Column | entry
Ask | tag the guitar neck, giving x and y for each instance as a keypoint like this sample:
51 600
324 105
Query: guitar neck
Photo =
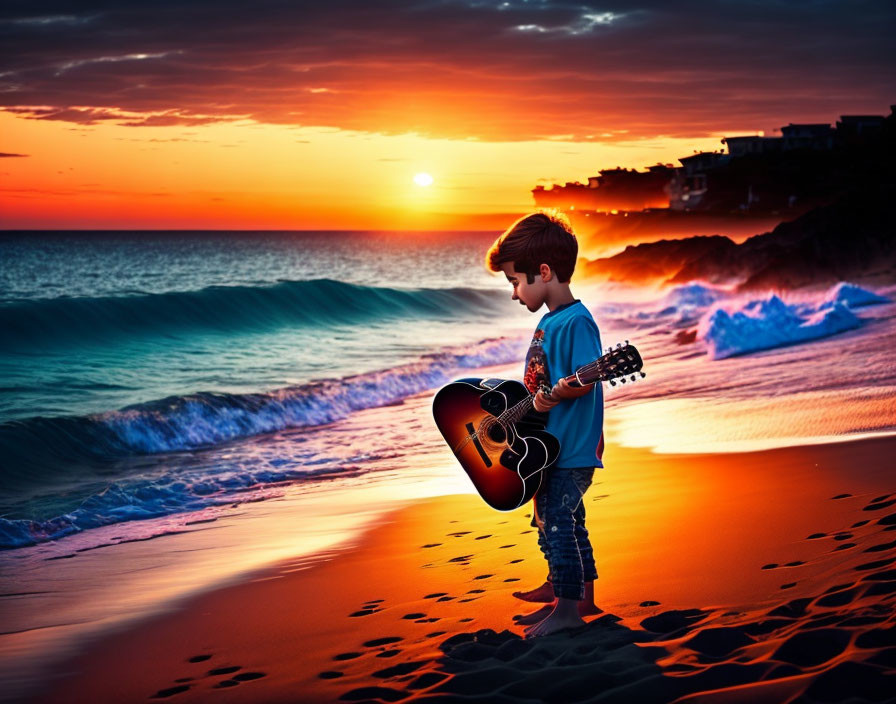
615 363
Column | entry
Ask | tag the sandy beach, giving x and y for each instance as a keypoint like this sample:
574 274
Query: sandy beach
763 576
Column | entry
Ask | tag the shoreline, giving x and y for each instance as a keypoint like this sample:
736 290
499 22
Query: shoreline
425 578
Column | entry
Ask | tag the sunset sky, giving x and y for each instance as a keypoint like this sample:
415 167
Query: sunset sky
278 115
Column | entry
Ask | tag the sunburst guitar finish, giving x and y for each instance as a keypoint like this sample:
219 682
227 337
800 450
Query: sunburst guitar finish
503 459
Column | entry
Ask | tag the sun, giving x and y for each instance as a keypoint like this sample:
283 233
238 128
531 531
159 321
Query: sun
423 179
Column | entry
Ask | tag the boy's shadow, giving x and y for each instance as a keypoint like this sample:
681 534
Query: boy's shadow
601 661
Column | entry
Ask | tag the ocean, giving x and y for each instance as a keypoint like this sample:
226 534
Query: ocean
132 346
178 408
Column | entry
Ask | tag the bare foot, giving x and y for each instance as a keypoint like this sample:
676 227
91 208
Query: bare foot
589 609
535 616
544 593
562 617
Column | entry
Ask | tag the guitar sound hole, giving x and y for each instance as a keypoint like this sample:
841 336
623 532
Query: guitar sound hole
496 433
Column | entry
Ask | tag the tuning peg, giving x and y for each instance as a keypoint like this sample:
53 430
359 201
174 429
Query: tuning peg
612 383
643 375
634 378
622 379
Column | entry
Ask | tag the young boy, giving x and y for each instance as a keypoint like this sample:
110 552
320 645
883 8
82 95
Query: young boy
538 256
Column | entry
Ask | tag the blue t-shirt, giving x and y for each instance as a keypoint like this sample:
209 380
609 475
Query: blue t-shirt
565 339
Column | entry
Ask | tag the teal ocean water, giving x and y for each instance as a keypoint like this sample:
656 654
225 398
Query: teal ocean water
123 353
145 375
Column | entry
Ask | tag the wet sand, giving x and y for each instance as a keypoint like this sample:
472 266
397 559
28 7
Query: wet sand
764 576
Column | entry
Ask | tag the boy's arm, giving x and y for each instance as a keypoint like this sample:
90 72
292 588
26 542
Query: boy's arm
561 392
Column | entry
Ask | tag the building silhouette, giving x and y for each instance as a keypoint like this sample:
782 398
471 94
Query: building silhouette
752 175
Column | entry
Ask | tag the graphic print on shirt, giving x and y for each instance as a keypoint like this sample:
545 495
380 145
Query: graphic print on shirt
536 363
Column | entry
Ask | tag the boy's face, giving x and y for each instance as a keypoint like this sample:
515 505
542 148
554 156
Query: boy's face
530 295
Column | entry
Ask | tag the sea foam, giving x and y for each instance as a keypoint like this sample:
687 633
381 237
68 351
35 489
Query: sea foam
771 322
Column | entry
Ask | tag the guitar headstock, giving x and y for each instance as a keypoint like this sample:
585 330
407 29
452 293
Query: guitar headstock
618 363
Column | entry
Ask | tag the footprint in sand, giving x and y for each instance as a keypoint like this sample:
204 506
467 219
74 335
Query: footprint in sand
814 536
476 591
224 670
512 579
840 496
460 533
788 585
859 524
434 595
436 634
844 546
874 565
400 669
413 616
460 558
843 536
347 656
184 679
837 598
795 563
170 692
431 545
770 566
427 679
483 537
484 576
388 653
506 546
795 608
513 562
877 504
236 679
363 612
673 621
811 648
381 641
445 598
330 674
199 658
882 546
649 603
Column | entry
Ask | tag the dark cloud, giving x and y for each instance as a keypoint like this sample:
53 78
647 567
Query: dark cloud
488 70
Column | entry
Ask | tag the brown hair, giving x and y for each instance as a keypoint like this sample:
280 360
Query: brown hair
542 237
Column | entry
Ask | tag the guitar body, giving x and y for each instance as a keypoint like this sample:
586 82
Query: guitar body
504 460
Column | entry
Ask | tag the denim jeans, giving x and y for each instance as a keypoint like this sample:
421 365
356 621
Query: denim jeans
562 537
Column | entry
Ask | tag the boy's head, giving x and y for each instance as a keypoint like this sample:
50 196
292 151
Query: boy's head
536 252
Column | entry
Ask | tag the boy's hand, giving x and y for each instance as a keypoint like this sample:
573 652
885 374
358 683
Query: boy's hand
562 390
542 403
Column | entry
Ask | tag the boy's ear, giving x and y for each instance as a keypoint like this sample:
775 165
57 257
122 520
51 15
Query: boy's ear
546 274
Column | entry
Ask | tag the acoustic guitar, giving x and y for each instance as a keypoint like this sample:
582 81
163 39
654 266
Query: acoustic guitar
500 440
